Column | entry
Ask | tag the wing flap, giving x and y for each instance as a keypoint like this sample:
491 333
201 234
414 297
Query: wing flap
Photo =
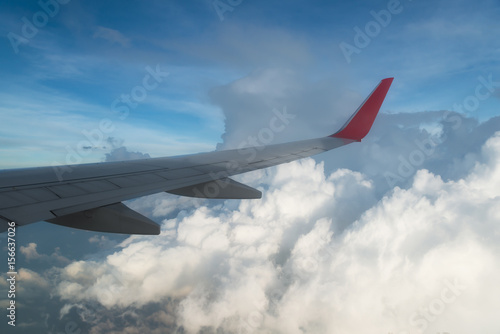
225 188
114 218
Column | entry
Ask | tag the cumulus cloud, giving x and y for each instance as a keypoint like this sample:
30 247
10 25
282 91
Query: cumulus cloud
302 260
102 241
310 109
122 154
30 253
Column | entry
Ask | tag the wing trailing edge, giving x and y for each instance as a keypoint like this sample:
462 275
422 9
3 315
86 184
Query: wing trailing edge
225 188
114 218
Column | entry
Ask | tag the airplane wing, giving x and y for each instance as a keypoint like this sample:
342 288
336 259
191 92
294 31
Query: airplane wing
89 196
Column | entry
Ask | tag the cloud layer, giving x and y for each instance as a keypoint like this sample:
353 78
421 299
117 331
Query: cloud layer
303 260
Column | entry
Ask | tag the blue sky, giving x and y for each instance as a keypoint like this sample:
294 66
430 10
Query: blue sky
373 231
65 78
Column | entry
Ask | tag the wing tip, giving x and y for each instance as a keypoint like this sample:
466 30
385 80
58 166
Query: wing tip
360 123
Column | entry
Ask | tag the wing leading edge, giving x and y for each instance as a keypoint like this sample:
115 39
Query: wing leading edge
89 196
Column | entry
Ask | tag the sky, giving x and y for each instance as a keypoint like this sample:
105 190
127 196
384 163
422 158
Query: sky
396 234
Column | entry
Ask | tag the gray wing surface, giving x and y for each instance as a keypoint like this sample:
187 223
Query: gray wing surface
89 196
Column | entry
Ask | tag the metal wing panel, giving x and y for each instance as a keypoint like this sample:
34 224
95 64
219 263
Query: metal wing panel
89 186
28 213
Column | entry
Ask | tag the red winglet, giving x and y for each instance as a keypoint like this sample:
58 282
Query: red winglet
360 123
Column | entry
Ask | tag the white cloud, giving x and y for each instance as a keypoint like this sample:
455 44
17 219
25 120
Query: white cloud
102 241
421 258
315 108
30 251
